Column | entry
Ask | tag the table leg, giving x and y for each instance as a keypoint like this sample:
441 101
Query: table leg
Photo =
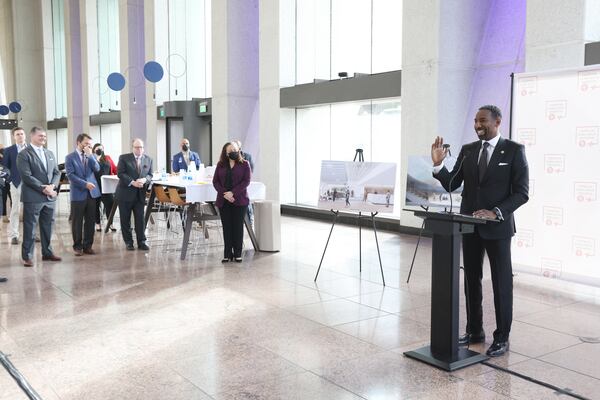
188 229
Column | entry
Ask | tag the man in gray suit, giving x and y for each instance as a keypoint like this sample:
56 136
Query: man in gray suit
135 174
39 178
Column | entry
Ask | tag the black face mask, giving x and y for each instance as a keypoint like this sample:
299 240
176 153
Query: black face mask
99 152
185 147
234 155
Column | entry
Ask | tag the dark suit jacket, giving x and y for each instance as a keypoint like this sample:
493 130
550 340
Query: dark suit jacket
127 172
240 177
505 184
179 162
79 177
10 161
34 175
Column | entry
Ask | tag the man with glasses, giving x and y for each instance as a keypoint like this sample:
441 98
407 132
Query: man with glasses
135 173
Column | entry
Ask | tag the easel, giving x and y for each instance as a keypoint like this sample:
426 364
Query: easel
412 264
359 154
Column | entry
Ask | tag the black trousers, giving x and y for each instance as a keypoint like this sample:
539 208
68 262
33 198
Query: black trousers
125 210
498 252
108 201
5 195
232 219
83 214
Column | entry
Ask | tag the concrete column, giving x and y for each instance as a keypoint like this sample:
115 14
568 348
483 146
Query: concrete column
133 96
557 32
150 103
268 163
77 97
235 74
29 61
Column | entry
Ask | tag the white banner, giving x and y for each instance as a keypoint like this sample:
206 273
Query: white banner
556 115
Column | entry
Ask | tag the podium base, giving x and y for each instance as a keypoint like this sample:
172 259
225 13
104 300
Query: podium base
464 358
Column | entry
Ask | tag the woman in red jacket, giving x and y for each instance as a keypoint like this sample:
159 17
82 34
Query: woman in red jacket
231 180
107 167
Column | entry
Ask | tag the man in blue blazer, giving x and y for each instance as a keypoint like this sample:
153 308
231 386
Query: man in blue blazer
10 163
182 159
80 166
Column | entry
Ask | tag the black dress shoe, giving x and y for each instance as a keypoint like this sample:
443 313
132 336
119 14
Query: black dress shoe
130 246
497 349
3 279
468 338
143 246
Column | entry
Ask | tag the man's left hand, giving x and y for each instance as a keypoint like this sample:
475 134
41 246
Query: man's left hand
486 214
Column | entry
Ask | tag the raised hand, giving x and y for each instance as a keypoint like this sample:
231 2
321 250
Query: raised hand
438 152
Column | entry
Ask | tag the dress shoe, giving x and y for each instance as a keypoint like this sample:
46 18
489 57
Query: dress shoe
112 229
98 228
468 338
14 241
143 246
497 349
3 279
37 239
51 258
238 259
89 251
226 260
27 263
78 252
130 246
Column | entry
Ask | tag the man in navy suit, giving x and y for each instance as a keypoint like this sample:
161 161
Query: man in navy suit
80 166
182 159
135 175
496 182
39 179
10 162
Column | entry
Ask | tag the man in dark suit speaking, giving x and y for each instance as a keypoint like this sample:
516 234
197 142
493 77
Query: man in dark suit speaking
135 173
39 178
496 182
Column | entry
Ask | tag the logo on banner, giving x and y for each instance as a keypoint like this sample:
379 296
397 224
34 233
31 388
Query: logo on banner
588 80
527 86
554 163
553 216
587 135
551 268
584 246
526 136
556 109
524 238
585 191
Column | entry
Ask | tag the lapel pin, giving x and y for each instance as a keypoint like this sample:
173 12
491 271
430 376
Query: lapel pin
502 152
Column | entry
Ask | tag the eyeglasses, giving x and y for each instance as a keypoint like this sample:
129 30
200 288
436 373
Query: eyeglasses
138 147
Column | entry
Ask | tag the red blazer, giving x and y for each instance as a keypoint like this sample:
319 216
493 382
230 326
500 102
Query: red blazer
113 167
240 176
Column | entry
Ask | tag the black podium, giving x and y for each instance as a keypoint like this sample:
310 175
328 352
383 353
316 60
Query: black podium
444 352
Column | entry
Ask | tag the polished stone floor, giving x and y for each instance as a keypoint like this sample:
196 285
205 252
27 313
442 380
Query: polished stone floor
145 325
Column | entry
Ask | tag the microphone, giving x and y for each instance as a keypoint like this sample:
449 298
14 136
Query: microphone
462 160
446 146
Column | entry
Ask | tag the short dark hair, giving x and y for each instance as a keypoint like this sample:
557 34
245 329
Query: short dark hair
494 110
82 136
36 129
16 128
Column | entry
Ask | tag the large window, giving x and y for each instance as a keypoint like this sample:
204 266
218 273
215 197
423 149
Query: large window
59 62
183 48
108 53
334 132
333 36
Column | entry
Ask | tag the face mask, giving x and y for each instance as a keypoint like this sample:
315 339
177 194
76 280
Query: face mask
99 152
234 155
185 147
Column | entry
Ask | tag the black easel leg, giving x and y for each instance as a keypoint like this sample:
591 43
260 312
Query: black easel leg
377 243
359 244
327 244
412 264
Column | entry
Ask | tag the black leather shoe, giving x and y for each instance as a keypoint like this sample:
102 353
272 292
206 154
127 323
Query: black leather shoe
468 338
130 246
3 279
497 349
143 246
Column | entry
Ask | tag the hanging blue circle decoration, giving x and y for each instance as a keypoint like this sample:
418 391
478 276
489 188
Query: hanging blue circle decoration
15 107
116 81
4 110
153 71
